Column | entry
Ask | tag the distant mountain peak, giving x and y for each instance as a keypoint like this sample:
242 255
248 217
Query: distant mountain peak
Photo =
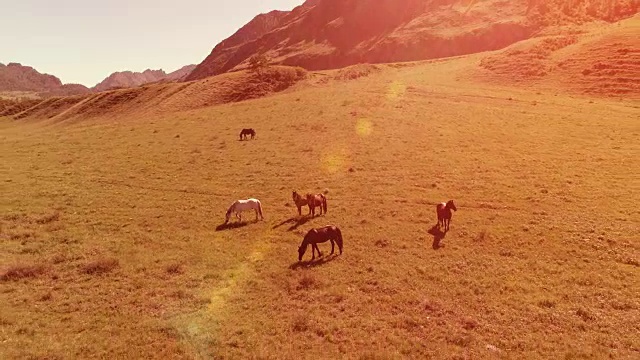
16 77
127 79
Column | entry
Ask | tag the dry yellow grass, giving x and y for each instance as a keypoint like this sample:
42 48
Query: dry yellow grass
114 222
587 59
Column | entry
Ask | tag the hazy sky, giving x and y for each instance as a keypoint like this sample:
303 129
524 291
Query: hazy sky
83 41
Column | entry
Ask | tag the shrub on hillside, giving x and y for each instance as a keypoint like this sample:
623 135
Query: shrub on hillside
257 63
18 272
9 107
356 72
270 80
100 266
282 77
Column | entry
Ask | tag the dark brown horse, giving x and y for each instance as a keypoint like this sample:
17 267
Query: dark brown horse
300 201
247 132
317 200
320 235
443 210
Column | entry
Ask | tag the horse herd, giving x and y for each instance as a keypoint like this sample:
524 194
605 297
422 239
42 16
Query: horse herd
327 233
318 235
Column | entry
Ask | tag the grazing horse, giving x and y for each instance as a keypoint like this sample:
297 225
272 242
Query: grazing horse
300 201
443 210
246 132
243 205
317 200
320 235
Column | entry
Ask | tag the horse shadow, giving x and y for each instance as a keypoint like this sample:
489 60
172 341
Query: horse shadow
438 235
231 226
288 221
313 263
296 221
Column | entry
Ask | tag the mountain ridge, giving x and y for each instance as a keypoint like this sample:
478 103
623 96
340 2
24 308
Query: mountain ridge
327 34
17 77
128 79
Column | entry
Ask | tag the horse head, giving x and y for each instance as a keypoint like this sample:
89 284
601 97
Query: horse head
228 215
451 205
301 250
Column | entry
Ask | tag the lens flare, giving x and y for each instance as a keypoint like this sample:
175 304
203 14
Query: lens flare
336 160
396 90
238 275
364 127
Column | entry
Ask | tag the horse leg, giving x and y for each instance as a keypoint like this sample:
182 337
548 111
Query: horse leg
317 248
332 245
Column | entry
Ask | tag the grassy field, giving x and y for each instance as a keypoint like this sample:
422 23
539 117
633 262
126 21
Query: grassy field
110 248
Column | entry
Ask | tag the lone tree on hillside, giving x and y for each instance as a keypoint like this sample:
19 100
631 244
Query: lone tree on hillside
257 63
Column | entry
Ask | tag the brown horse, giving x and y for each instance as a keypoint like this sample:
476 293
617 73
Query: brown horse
300 201
317 200
443 210
320 235
246 132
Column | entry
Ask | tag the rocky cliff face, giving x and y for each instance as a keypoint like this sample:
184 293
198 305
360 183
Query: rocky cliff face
256 28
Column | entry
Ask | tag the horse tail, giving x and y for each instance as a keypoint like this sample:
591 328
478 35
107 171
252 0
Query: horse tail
324 203
339 239
260 209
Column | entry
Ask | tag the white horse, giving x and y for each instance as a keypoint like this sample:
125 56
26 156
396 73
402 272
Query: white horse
243 205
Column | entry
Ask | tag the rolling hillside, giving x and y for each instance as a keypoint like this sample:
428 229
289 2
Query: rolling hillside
112 242
163 97
601 60
112 236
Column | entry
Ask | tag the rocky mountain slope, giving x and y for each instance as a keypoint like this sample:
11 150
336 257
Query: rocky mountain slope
322 34
128 79
16 77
